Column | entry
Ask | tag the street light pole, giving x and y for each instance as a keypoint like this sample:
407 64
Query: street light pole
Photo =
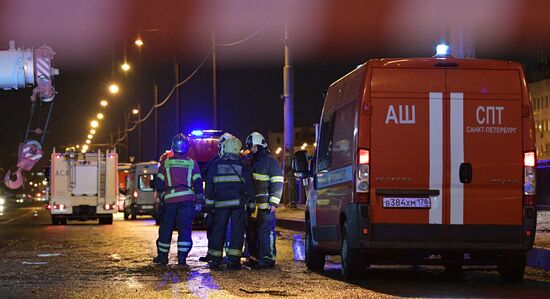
214 84
126 130
288 98
140 158
177 79
156 93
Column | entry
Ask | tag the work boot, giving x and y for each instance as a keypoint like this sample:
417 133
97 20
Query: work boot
214 265
161 259
182 261
250 263
264 265
205 258
234 265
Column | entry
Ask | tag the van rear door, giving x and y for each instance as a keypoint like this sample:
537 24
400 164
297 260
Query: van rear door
407 125
486 155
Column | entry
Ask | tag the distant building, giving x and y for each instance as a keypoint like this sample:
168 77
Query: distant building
540 97
304 139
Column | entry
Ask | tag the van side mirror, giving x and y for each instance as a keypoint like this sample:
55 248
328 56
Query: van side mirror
300 165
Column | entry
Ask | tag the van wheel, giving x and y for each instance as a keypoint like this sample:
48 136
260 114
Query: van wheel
511 267
106 219
63 221
134 215
55 220
352 262
315 260
453 265
126 216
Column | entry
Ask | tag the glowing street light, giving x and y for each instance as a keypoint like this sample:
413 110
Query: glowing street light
83 151
77 146
90 136
100 115
85 147
94 124
92 131
88 141
138 42
113 88
135 111
103 103
125 67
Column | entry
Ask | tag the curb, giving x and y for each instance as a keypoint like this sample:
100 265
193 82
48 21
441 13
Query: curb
538 257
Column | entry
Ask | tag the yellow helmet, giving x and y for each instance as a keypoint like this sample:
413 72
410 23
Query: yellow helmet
231 146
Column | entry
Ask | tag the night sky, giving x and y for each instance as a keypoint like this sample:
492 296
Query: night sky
328 39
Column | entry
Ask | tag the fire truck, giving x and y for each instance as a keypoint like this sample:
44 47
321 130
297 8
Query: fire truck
424 160
84 186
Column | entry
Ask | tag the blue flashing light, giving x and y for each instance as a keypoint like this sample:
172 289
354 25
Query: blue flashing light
197 132
442 50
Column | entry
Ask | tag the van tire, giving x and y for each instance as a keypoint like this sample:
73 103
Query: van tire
55 220
352 262
315 260
453 265
126 216
134 215
106 219
511 267
63 221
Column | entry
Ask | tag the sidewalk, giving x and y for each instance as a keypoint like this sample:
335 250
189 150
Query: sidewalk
539 257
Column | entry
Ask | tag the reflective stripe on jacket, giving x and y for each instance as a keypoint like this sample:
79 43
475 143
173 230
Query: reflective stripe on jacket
268 181
228 183
180 177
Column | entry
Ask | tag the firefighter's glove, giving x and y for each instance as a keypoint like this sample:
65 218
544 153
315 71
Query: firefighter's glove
198 207
272 209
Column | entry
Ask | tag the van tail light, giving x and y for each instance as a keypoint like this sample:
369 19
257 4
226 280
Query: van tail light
363 169
135 194
107 206
529 177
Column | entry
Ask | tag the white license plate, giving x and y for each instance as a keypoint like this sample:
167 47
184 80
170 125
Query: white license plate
406 202
147 207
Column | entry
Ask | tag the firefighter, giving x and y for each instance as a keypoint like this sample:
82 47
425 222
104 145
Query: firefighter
268 187
210 216
180 184
229 190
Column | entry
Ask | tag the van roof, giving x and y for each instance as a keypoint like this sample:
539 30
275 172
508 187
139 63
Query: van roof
444 62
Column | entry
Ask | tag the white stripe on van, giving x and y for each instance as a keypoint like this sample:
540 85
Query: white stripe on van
457 157
436 156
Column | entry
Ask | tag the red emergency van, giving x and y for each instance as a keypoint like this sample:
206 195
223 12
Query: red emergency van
424 161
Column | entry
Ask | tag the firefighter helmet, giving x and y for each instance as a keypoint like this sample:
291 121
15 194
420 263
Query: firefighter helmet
232 146
180 143
255 139
222 139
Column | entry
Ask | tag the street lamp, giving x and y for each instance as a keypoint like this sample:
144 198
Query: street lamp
92 131
135 111
113 88
125 67
103 103
88 141
85 147
100 115
94 124
90 136
138 42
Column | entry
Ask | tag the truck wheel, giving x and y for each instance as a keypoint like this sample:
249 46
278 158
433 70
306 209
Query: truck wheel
134 215
55 220
63 221
315 260
106 219
511 267
126 216
352 262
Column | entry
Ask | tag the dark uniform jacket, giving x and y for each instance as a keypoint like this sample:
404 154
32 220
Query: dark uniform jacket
228 183
268 180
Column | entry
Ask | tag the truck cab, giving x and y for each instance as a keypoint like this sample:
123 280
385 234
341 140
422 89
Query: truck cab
426 160
139 198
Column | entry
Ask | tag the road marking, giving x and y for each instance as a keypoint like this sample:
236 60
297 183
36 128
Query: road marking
436 156
457 157
13 219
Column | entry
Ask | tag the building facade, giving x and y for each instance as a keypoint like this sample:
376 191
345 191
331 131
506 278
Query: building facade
540 99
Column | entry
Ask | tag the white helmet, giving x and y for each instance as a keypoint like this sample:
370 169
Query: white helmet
255 139
222 139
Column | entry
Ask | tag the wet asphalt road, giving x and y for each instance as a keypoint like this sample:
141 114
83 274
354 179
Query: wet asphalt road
87 260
